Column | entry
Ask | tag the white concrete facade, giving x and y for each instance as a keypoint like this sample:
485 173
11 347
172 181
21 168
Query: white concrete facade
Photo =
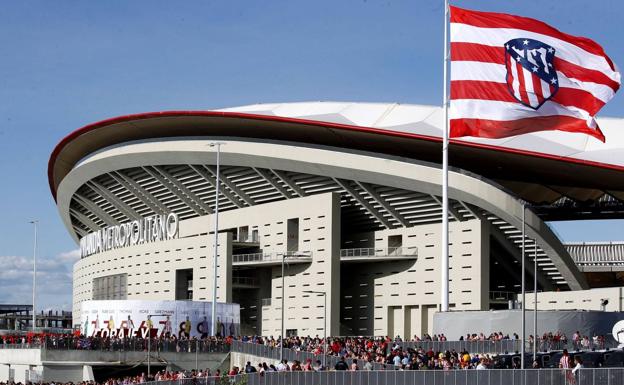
377 297
383 294
579 299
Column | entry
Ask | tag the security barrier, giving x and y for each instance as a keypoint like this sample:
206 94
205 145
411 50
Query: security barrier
419 377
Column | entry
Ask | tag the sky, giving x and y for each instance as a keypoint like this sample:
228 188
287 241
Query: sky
65 64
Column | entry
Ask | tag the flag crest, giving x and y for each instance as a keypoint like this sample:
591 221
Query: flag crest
531 73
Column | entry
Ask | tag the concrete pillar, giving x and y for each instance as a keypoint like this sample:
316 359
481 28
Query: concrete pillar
333 281
224 269
87 373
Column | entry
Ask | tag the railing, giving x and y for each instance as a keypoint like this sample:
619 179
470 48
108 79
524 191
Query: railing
588 344
268 257
597 254
266 301
502 296
587 376
508 346
491 347
379 252
273 353
124 344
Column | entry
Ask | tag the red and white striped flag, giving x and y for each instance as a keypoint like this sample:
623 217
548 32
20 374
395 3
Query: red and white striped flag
511 75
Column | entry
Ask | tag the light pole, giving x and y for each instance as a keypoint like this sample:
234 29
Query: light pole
324 323
535 302
34 288
283 292
149 340
522 347
213 326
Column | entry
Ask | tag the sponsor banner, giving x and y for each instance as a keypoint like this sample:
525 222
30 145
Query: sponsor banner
138 318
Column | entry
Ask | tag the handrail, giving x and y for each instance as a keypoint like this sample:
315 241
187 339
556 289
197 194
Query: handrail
388 376
379 252
275 256
602 254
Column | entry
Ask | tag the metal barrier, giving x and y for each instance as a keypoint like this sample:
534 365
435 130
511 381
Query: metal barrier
124 344
508 346
492 347
544 345
610 376
273 353
379 252
267 257
597 253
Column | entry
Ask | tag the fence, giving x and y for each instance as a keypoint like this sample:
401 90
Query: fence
544 345
124 344
420 377
509 346
492 347
290 256
273 353
379 252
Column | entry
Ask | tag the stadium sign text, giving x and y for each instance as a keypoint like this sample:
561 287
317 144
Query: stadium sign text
145 230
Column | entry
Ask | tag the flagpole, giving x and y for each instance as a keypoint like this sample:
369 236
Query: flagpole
445 227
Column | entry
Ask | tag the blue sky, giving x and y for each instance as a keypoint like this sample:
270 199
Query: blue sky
65 64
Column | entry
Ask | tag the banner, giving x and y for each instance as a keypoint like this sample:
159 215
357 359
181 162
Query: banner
133 318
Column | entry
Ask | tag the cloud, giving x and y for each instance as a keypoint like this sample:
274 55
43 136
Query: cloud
54 280
70 256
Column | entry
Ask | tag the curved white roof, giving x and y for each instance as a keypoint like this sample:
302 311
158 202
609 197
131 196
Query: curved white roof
428 120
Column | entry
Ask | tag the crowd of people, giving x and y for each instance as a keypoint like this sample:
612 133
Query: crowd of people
351 353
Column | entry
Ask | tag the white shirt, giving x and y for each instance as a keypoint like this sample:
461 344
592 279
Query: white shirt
576 368
281 367
481 366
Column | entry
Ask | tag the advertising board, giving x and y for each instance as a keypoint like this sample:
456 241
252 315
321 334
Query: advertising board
133 318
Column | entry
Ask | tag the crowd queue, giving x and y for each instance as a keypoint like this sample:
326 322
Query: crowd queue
354 353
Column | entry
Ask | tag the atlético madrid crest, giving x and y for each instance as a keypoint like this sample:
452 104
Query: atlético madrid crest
531 75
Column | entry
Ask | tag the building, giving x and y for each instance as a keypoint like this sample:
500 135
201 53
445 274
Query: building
347 195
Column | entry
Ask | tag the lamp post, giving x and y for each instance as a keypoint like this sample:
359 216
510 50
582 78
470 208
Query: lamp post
213 326
324 323
283 294
34 285
149 340
535 302
522 347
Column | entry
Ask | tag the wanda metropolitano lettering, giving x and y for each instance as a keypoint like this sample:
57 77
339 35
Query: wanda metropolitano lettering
150 229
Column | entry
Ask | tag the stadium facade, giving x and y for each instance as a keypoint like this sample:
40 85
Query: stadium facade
347 196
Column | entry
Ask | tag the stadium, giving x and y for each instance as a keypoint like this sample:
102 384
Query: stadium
345 197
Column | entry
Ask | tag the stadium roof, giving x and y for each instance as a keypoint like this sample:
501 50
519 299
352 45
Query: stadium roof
564 175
